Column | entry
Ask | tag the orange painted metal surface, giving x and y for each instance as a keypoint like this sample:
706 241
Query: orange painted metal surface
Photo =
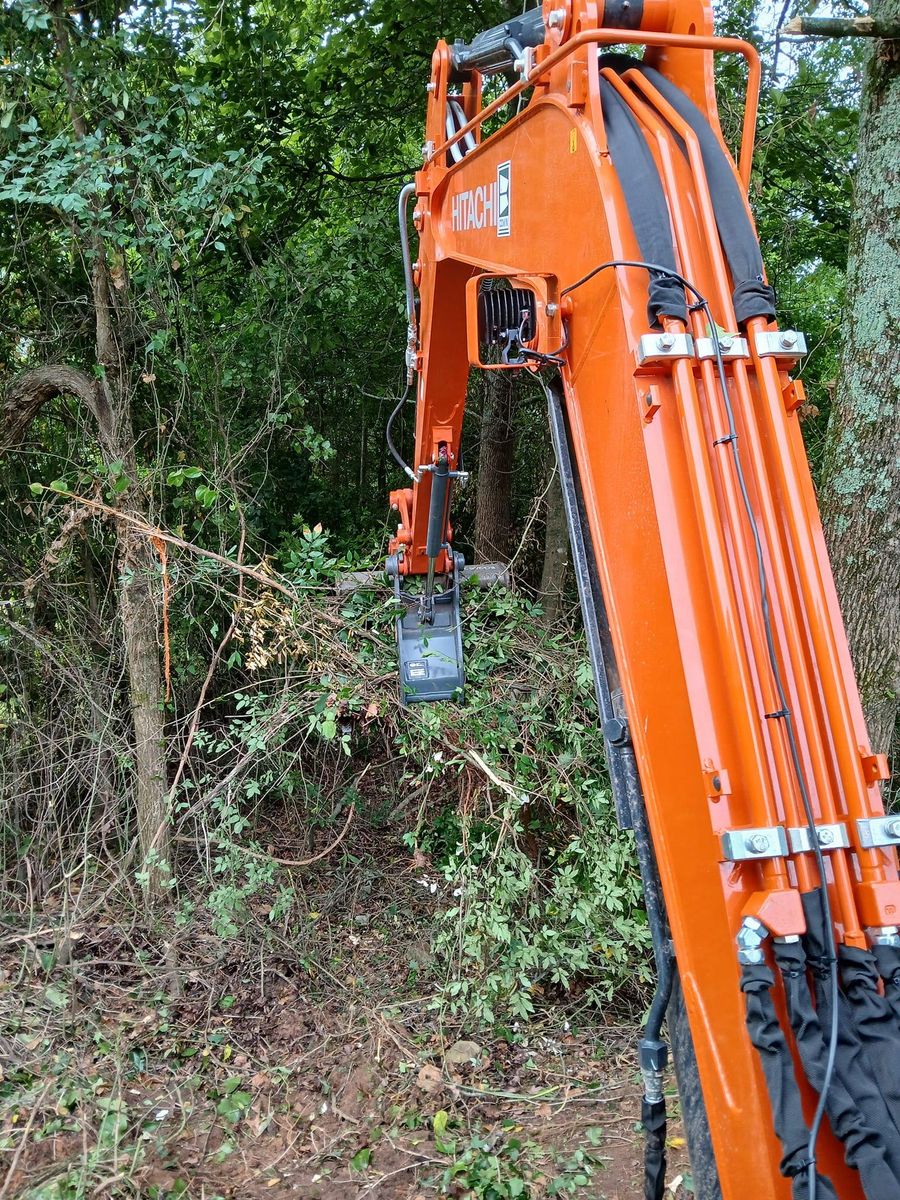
672 542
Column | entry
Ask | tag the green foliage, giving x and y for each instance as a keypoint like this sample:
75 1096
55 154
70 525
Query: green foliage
545 896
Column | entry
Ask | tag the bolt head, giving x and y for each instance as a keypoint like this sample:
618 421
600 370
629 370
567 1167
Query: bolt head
556 18
825 836
758 843
430 86
665 341
726 341
788 338
893 828
552 309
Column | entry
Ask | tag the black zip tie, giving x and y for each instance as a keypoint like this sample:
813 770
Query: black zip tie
779 715
729 437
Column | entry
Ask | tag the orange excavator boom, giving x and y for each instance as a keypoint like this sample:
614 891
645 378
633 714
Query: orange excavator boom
589 229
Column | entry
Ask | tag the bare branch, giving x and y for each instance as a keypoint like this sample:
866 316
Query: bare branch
30 391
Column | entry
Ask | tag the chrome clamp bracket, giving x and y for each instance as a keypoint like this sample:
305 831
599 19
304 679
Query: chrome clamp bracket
730 345
830 837
781 343
878 831
659 347
744 845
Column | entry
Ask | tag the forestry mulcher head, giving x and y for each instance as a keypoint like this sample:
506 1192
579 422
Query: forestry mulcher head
429 638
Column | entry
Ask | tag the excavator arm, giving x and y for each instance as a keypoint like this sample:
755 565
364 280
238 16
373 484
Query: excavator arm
598 241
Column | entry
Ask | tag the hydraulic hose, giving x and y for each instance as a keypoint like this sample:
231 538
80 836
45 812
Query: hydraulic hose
388 435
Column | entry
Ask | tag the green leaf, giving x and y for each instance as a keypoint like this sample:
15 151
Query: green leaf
35 488
360 1159
206 495
56 996
439 1122
59 485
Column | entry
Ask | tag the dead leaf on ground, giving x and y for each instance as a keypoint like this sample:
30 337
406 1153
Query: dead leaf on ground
430 1079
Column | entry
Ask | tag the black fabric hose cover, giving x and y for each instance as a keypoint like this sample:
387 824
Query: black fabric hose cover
752 296
653 1118
888 959
874 1022
646 203
863 1147
852 1067
768 1037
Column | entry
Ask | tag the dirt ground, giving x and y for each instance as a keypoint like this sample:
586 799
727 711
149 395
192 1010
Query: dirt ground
194 1067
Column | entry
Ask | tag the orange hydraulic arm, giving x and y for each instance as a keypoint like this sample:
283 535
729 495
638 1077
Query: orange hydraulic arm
703 574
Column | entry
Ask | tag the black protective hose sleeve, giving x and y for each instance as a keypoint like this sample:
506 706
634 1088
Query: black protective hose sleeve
863 1146
653 1119
768 1037
888 959
752 296
646 204
874 1022
852 1067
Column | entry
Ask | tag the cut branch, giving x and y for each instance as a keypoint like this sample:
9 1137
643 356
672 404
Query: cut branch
838 27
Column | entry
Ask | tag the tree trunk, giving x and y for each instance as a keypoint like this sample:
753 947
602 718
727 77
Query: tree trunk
556 553
493 503
109 399
859 493
145 687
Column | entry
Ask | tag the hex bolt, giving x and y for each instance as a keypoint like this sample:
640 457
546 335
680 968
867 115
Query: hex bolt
666 341
892 828
552 309
616 731
556 18
758 843
825 836
726 341
788 338
430 86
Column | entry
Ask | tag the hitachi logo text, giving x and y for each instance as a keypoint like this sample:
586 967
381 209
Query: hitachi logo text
484 207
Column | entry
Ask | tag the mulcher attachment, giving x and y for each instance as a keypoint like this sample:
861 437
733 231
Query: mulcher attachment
429 639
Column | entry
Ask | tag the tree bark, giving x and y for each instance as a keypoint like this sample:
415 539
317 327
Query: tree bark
556 554
137 603
859 493
493 503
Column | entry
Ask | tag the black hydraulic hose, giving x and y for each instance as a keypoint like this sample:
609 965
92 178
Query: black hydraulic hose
654 1056
388 434
863 1142
784 712
768 1037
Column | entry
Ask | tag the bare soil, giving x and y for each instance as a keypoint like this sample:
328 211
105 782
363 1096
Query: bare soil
138 1064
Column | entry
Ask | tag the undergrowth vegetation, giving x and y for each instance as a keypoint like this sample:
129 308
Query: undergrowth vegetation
501 805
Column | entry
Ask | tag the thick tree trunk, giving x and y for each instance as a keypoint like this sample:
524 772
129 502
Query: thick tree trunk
493 503
859 493
556 553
